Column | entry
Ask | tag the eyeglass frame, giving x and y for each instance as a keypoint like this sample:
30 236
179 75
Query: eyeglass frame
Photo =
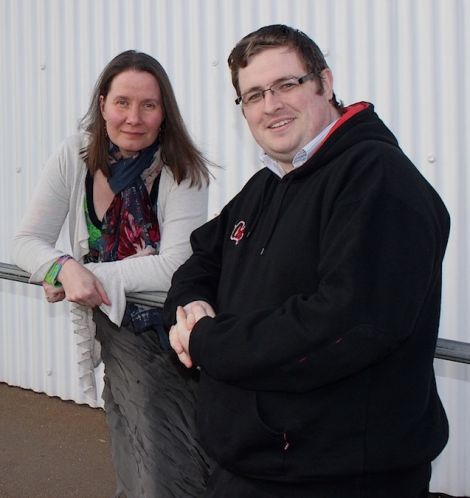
300 81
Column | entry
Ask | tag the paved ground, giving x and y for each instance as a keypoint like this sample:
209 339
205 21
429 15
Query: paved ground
51 448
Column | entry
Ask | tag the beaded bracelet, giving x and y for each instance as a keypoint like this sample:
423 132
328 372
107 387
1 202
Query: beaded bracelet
54 270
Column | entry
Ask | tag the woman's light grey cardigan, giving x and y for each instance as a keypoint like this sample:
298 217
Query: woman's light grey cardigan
59 198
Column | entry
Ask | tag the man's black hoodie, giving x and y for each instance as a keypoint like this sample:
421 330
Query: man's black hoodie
327 289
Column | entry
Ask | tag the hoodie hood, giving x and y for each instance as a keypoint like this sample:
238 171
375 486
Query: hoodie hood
359 123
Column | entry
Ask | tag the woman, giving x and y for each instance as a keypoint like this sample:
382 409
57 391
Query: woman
134 186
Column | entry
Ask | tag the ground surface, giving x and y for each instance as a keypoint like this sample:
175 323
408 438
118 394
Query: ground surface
51 448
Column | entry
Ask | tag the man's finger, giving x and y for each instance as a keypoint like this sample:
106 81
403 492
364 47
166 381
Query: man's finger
180 314
174 341
185 359
199 312
190 321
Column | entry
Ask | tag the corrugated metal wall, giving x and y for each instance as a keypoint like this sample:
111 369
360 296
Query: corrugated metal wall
409 57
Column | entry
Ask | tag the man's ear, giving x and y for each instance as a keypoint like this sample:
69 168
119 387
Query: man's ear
327 82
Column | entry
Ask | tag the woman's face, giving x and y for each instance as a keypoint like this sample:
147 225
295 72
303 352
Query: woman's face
133 111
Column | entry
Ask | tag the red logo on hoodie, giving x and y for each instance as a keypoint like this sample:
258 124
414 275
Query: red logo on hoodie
238 232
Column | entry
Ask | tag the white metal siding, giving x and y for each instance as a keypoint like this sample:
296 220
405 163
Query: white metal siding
411 58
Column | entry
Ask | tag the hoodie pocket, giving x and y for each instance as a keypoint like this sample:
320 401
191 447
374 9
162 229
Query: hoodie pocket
234 434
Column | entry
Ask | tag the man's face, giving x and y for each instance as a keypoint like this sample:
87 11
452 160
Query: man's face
284 123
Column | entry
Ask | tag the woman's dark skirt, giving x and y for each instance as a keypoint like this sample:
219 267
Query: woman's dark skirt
149 400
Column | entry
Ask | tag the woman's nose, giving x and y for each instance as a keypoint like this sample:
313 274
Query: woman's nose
133 114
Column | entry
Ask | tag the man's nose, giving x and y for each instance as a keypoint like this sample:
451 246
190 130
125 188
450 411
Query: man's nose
271 100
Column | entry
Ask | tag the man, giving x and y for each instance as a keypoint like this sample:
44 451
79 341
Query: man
311 303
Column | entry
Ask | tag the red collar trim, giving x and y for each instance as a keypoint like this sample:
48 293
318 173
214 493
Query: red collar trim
351 111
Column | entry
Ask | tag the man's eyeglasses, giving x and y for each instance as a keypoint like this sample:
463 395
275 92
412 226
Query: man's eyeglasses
281 87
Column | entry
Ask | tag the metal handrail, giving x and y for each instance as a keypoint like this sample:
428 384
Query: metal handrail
446 349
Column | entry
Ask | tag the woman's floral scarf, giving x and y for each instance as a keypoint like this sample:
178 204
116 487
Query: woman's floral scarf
130 225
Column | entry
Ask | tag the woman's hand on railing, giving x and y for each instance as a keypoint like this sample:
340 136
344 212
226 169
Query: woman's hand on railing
53 294
81 286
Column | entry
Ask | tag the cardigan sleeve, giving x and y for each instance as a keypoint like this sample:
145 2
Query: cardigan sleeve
34 242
